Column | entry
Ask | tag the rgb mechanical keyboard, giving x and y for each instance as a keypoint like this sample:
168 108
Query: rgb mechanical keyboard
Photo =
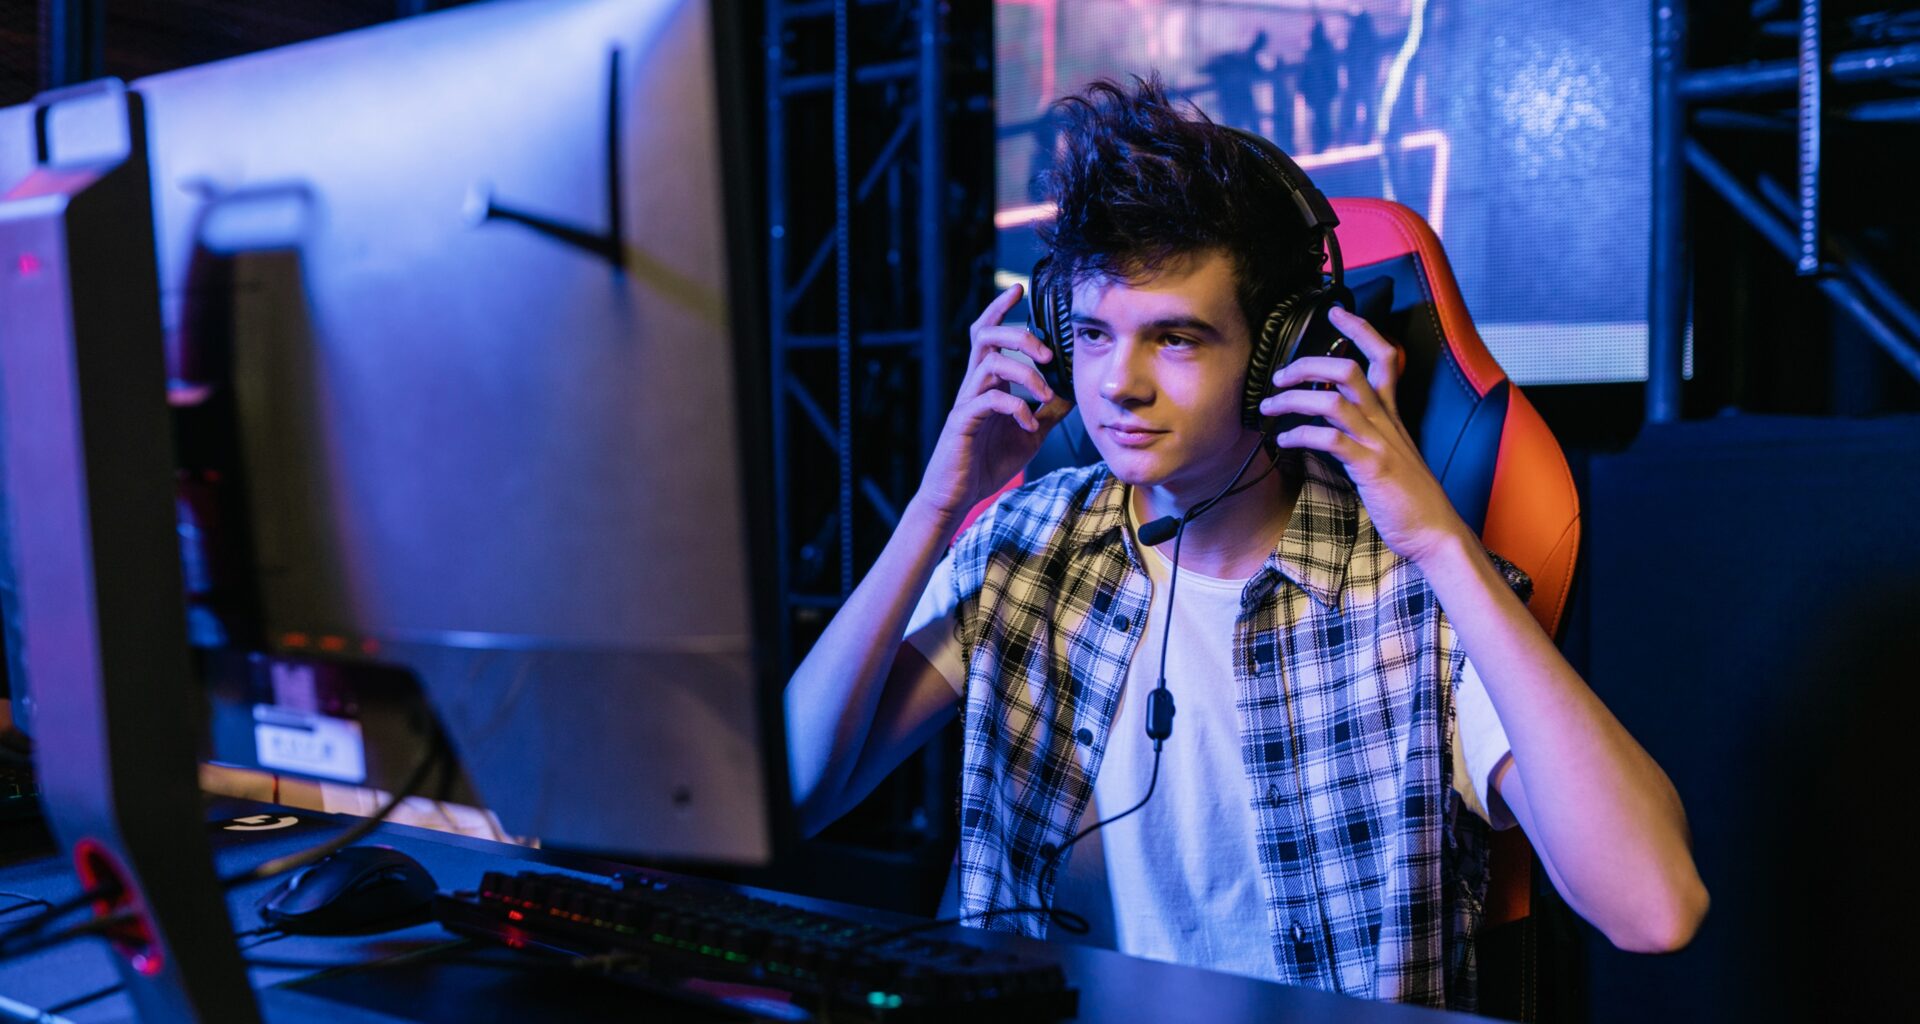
661 932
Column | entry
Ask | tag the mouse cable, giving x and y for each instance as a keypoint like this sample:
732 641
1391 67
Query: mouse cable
437 755
92 926
63 1008
26 902
104 891
265 935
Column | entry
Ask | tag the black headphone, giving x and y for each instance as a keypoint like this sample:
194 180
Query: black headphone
1291 321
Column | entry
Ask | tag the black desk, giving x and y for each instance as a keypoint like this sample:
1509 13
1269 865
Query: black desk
416 975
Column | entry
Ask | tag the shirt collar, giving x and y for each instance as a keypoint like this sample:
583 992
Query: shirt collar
1318 542
1313 552
1100 513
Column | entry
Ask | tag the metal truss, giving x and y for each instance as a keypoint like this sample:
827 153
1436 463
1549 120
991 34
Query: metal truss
857 258
1789 219
875 248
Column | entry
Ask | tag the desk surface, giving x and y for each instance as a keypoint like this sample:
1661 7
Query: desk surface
413 975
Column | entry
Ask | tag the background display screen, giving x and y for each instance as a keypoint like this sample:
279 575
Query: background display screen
1519 130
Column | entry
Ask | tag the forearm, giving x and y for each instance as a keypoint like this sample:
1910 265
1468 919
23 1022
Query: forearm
833 695
1604 817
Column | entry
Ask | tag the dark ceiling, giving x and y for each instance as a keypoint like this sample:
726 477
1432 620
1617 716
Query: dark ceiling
144 37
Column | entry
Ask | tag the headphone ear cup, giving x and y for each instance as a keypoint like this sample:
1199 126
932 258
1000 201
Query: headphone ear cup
1274 348
1052 323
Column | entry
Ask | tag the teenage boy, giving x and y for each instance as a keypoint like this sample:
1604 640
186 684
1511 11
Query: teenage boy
1361 694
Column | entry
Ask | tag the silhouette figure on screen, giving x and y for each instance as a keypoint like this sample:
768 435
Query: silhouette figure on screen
1281 80
1044 131
1232 74
1364 52
1320 83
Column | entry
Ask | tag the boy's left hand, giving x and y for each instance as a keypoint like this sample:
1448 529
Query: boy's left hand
1365 433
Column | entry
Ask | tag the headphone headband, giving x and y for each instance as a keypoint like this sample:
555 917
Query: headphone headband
1312 205
1314 208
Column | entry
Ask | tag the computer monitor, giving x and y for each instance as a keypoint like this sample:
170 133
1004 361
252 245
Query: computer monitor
462 388
17 160
97 605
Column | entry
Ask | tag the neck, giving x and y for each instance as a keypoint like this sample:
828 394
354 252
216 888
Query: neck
1235 536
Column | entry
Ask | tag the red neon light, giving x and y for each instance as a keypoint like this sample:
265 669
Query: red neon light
93 864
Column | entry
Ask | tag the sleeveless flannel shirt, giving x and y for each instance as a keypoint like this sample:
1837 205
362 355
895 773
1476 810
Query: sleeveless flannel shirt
1374 873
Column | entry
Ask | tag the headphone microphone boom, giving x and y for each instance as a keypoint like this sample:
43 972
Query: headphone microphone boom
1165 528
1159 531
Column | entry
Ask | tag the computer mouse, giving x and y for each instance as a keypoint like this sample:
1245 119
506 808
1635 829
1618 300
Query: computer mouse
357 889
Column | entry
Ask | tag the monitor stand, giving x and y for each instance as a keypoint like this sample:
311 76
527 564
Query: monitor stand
87 451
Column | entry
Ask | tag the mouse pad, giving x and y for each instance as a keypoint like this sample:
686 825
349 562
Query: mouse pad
472 982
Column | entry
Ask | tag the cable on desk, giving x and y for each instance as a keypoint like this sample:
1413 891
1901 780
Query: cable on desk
1067 920
94 926
521 960
267 934
77 1002
436 756
26 902
106 890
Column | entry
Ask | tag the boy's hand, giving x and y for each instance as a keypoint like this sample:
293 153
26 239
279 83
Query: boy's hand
1366 434
990 435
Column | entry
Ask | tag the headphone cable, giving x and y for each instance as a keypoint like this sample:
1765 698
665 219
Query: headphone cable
1160 699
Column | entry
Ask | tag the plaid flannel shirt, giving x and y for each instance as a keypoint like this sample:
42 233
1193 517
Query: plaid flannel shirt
1374 873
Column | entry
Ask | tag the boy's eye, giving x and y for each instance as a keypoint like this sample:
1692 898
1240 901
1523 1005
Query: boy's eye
1087 333
1179 341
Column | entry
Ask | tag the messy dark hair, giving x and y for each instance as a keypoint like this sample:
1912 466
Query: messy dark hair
1139 182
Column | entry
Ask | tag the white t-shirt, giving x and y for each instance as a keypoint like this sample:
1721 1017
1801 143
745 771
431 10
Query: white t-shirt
1179 879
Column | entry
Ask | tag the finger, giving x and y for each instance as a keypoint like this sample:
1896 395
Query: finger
1016 338
1344 374
1329 405
1003 367
1318 438
988 318
997 309
1383 356
1004 403
1356 329
992 371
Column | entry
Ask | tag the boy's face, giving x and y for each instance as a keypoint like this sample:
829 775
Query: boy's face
1158 366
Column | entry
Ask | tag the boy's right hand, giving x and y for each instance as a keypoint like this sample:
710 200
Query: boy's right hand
991 434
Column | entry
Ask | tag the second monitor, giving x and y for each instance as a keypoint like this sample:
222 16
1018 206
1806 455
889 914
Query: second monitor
452 344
